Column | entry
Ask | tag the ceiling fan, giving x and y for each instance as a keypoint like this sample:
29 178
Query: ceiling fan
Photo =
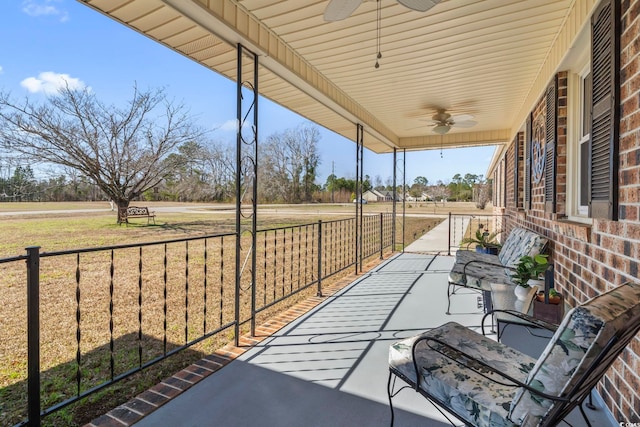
443 122
338 10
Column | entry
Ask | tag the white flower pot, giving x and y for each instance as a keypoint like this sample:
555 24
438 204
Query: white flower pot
521 292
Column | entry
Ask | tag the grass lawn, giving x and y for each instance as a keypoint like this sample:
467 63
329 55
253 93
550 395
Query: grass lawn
68 226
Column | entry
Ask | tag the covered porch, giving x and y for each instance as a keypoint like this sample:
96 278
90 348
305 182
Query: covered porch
521 71
327 367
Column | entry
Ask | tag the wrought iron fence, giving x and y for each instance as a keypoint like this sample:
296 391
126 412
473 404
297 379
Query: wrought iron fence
465 226
120 309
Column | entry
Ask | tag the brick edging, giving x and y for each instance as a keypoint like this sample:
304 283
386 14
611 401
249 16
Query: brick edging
150 400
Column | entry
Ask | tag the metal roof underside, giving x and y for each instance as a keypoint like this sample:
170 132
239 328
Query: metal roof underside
487 58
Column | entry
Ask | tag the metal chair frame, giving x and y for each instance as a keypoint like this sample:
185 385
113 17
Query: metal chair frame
563 404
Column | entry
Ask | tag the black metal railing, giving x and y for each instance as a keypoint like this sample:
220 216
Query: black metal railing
465 226
120 309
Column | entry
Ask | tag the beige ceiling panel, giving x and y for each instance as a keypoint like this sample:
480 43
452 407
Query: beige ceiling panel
488 58
187 36
107 6
465 139
197 46
170 29
135 10
158 17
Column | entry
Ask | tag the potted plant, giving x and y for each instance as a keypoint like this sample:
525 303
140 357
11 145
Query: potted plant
554 296
485 242
529 269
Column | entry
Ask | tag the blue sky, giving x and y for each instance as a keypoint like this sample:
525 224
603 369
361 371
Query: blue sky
46 42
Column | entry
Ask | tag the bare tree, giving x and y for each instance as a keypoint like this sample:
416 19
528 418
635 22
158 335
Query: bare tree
122 150
288 164
221 170
204 172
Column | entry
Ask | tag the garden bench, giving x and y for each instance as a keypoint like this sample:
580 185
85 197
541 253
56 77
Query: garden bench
141 212
486 383
477 270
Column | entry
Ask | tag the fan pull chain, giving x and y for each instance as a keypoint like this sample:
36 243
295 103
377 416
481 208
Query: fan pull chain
378 23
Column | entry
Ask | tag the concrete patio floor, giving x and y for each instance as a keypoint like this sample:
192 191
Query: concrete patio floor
329 367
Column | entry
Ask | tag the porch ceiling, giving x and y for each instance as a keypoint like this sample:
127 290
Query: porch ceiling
487 58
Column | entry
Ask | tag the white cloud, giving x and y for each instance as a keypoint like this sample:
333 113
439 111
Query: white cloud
44 8
0 69
229 126
50 83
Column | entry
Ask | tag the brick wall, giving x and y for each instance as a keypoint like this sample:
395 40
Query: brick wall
590 259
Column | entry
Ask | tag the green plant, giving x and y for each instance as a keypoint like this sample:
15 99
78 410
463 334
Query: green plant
554 296
483 239
529 267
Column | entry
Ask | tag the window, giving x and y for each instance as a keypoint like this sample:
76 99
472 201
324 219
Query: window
592 167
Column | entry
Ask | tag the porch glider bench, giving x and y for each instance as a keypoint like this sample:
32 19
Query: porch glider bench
485 383
476 270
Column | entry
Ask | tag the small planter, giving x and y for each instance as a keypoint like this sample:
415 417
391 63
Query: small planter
553 312
553 299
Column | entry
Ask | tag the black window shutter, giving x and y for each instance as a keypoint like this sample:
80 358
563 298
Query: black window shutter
494 196
527 165
550 147
504 179
605 116
516 175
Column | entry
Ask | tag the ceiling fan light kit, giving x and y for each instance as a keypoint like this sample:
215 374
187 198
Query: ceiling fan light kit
419 5
338 10
441 129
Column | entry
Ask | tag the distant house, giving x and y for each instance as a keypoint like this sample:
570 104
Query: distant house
373 196
388 196
422 198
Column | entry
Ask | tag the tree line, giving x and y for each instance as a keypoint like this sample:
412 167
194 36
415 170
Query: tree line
152 149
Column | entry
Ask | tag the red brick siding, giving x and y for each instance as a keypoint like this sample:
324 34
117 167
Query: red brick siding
592 259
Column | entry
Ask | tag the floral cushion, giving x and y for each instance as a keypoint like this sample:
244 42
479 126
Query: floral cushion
471 396
580 338
519 243
484 269
478 270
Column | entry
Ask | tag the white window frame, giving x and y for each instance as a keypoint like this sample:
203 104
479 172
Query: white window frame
583 210
575 211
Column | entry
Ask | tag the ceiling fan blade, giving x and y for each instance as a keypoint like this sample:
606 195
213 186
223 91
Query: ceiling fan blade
427 121
337 10
461 117
419 5
415 127
465 124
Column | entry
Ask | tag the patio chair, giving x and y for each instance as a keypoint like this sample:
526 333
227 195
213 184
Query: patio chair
485 383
